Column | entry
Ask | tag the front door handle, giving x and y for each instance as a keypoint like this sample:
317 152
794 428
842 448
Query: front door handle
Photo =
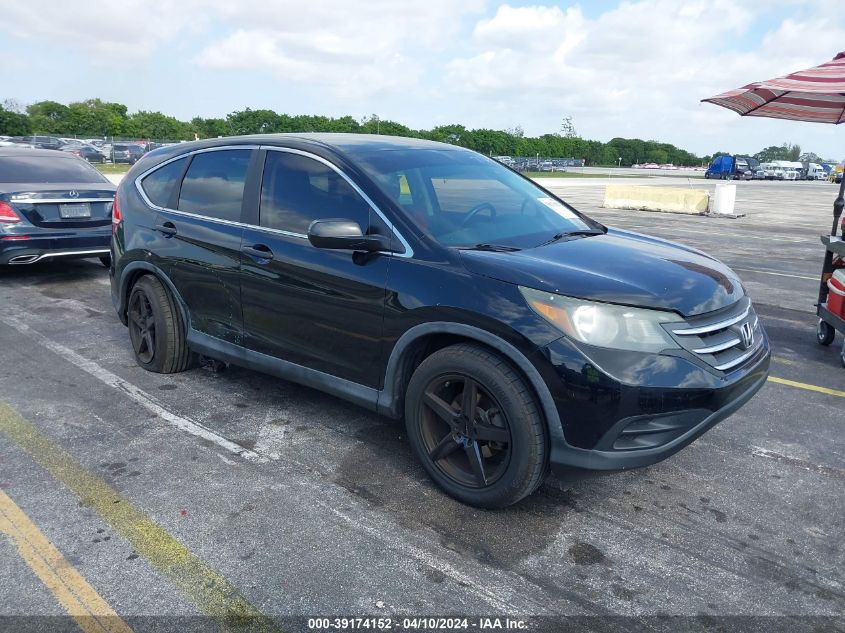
258 251
167 228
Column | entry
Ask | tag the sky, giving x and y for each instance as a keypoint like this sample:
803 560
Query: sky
632 69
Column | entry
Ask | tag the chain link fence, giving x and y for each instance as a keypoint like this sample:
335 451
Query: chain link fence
104 149
540 163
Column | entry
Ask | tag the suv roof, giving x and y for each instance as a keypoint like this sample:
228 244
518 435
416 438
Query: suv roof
352 143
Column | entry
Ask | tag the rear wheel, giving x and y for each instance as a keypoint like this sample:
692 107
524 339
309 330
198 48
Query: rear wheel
824 333
474 425
156 328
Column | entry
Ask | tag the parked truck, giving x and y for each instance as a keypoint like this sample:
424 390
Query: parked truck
732 167
814 171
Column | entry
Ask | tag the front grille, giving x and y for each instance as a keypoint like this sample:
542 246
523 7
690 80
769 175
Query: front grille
724 339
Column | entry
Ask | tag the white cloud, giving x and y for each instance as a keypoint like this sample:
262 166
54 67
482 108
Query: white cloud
368 47
129 29
637 70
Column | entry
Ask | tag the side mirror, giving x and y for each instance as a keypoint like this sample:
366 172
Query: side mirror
345 235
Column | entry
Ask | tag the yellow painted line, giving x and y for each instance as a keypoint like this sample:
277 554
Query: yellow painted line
77 597
808 387
213 595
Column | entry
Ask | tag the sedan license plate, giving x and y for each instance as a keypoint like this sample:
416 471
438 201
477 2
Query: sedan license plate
75 210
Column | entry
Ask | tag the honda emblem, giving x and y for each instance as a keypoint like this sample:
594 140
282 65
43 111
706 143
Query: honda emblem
747 333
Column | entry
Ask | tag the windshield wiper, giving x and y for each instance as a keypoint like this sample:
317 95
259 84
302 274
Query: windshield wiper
580 233
496 248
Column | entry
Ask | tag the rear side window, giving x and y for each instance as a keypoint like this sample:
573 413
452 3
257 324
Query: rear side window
40 169
296 190
159 185
214 184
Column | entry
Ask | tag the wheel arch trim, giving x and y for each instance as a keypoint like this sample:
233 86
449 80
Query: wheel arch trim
141 266
390 397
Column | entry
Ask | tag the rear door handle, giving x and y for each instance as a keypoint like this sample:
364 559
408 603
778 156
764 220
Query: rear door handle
258 251
167 228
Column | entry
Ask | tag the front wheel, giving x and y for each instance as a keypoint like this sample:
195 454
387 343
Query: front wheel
475 426
156 329
824 333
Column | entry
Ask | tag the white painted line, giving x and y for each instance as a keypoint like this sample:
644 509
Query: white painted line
771 272
135 393
765 452
504 591
498 602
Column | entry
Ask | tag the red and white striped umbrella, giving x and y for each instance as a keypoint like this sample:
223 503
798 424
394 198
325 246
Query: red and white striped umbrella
816 94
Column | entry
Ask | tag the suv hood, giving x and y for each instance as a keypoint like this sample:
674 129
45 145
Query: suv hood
618 267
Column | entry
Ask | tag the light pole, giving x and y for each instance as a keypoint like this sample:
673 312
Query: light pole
620 162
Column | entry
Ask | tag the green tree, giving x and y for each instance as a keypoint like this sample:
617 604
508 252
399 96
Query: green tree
94 118
567 128
209 128
48 117
254 122
453 134
14 123
155 125
657 155
781 152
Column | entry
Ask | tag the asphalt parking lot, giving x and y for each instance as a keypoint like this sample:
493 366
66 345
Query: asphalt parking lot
251 500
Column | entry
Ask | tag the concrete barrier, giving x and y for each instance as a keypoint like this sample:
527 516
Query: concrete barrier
667 199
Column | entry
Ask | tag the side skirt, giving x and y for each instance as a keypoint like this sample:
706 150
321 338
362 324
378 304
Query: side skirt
361 395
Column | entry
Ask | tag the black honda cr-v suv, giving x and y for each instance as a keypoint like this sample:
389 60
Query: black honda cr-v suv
424 280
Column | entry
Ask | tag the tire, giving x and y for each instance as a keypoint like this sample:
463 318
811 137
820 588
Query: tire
842 354
507 437
824 333
156 328
105 260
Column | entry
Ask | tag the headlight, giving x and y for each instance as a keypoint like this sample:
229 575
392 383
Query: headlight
604 324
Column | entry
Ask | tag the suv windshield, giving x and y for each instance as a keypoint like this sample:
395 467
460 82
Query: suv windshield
463 199
62 168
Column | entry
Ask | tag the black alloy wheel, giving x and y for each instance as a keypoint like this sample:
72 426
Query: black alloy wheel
157 330
142 327
475 426
465 431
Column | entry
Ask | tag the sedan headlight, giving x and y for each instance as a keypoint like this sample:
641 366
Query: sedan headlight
604 324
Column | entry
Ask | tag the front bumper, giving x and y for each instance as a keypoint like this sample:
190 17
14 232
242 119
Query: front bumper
632 410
